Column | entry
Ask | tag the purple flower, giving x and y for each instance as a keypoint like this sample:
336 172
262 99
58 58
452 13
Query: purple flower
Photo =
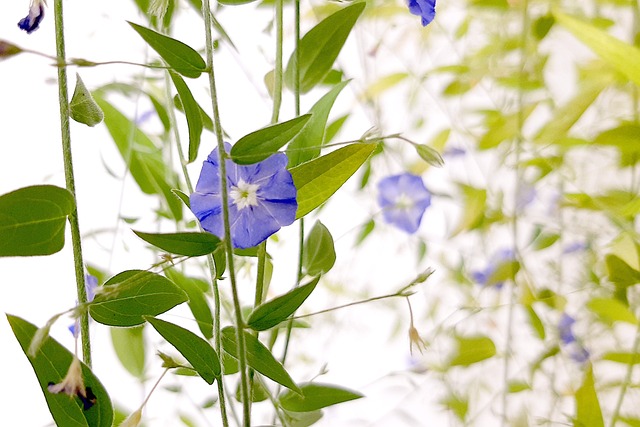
32 20
426 9
485 276
574 348
262 198
403 199
575 247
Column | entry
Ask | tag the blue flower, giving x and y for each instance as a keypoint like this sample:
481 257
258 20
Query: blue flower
36 15
262 198
403 199
90 285
484 276
575 349
426 9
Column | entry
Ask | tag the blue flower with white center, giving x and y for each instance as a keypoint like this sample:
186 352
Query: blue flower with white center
403 199
485 277
262 198
31 22
426 9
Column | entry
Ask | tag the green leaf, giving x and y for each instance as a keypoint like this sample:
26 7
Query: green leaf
184 198
625 358
50 364
128 344
127 296
620 273
588 413
475 201
235 2
316 396
536 323
272 313
307 144
196 291
196 350
178 55
187 244
83 108
472 350
501 127
191 112
33 219
320 178
259 145
319 48
611 310
319 251
622 56
258 357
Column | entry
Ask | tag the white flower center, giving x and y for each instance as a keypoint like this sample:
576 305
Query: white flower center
244 194
404 201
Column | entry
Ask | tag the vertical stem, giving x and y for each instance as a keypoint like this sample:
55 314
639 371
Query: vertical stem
626 381
63 97
277 86
242 356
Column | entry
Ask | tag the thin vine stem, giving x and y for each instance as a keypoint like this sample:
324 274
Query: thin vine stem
63 98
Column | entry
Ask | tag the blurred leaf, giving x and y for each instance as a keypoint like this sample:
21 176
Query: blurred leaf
624 358
191 112
333 128
127 296
196 350
83 108
458 405
316 396
33 220
472 350
319 253
187 244
588 413
429 155
536 323
384 83
494 4
319 48
501 127
542 25
50 364
474 200
611 310
365 231
545 240
302 419
620 273
258 145
518 386
196 292
258 357
626 138
182 58
319 179
128 344
277 310
235 2
505 270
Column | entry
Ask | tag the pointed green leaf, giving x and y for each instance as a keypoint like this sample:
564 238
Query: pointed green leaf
33 219
187 244
182 58
624 358
191 112
195 289
50 364
472 350
621 273
128 344
307 144
611 310
83 108
196 350
320 47
319 251
316 396
588 413
259 145
318 179
258 357
127 296
272 313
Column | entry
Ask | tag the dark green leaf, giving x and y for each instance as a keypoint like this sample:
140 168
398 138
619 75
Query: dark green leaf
258 357
319 251
588 413
184 198
316 396
33 219
318 179
129 346
127 296
83 108
50 364
320 47
271 313
192 113
178 55
472 350
196 291
196 350
187 244
259 145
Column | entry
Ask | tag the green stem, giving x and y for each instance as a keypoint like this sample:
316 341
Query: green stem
242 355
277 84
627 380
63 97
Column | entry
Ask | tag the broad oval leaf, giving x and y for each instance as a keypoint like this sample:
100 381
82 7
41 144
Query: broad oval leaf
182 58
319 48
127 296
473 350
272 313
83 108
128 344
191 112
259 145
319 251
187 244
258 357
316 396
50 364
318 179
195 289
611 310
33 219
196 350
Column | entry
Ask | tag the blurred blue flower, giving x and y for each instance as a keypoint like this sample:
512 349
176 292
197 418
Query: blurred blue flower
426 9
403 199
262 198
90 285
575 247
575 349
32 20
483 276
